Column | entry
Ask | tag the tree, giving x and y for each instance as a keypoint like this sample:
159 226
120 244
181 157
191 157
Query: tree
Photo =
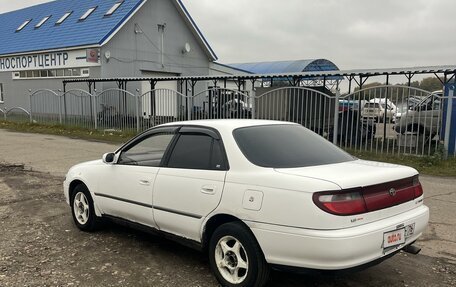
431 84
370 85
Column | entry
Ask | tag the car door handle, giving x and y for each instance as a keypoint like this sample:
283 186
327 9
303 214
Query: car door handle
144 182
208 190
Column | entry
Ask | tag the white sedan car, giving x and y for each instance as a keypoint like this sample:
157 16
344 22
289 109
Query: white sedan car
253 194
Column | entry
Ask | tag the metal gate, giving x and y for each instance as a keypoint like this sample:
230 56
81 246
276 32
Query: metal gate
390 119
311 108
386 119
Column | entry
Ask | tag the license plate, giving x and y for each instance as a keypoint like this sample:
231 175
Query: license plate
394 238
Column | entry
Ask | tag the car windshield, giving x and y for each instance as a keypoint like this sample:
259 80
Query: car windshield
287 146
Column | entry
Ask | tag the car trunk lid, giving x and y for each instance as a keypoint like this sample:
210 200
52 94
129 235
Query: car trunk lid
353 174
375 190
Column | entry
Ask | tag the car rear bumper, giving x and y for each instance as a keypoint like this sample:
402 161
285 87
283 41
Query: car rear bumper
335 249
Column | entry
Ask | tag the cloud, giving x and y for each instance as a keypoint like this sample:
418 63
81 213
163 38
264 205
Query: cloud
7 5
351 33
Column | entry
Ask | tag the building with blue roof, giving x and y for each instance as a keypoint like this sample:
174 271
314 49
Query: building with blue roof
43 44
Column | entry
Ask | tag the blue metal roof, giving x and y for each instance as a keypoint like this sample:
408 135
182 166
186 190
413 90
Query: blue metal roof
286 66
71 33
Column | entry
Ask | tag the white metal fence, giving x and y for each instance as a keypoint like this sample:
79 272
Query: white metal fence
77 109
384 119
310 108
391 119
16 114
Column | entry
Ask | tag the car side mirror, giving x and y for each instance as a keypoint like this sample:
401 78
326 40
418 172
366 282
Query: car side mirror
108 158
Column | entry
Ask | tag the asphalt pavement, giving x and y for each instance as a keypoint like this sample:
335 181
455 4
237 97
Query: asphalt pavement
40 246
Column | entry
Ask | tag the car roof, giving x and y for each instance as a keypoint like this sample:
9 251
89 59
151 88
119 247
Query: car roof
228 124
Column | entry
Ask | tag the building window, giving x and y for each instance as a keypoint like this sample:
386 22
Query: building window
85 72
59 73
113 8
23 25
1 93
52 73
63 18
76 72
87 14
42 22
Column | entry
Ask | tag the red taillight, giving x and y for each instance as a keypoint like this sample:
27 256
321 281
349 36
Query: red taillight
369 198
417 188
346 203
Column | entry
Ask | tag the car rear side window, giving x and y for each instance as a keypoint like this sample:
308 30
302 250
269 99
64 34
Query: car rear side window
287 146
197 151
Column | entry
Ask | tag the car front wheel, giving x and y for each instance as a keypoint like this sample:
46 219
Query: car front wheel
236 258
82 209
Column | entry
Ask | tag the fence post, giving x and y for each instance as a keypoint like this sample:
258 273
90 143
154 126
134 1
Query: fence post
137 110
60 106
93 99
30 106
252 99
336 117
446 142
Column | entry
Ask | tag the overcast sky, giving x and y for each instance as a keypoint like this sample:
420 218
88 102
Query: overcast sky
351 33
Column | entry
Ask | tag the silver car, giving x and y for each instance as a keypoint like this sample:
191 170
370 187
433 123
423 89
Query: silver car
424 117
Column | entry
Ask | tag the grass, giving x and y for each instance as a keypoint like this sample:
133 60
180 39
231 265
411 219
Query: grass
430 165
68 131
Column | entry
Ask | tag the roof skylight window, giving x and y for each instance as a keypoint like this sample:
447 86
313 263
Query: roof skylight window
23 25
87 14
63 18
42 22
113 8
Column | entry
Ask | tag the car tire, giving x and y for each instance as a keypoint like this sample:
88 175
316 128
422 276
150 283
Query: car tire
82 209
236 258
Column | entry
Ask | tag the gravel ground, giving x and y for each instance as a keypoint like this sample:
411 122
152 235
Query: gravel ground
40 245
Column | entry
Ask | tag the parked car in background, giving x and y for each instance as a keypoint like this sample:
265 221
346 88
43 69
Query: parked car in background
350 105
424 117
236 109
233 108
376 109
352 130
254 195
408 105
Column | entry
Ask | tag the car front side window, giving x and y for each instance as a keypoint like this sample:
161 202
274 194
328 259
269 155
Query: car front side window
147 152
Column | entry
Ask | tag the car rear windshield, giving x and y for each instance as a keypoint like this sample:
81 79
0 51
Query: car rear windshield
287 146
